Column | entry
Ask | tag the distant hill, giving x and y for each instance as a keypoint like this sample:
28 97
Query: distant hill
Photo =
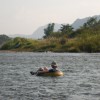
39 33
3 39
79 22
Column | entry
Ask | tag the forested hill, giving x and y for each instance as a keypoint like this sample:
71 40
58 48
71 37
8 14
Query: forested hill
3 39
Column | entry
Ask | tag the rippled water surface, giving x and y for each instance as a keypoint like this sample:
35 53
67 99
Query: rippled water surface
81 80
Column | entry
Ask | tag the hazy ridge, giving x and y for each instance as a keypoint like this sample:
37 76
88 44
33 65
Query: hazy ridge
39 33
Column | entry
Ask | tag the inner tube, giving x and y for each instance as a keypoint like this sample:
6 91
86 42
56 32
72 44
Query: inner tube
57 73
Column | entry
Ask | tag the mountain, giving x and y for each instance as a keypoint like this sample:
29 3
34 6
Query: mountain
39 33
79 22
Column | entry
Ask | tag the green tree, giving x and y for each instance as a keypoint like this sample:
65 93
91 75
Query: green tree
49 30
66 29
91 22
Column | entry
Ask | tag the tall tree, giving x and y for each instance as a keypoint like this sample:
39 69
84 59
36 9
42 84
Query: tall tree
49 30
66 29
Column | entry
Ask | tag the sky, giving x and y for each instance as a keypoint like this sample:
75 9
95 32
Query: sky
25 16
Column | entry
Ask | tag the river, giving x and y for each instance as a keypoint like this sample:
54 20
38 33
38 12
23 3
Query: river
81 80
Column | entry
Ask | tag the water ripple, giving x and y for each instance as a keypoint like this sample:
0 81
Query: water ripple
81 80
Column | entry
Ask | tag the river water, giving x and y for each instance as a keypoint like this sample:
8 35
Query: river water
81 80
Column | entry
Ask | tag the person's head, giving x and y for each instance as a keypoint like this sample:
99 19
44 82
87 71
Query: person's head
54 65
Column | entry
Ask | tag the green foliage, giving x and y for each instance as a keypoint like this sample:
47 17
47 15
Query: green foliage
49 30
47 47
84 39
91 27
66 29
55 34
20 44
63 41
90 23
90 44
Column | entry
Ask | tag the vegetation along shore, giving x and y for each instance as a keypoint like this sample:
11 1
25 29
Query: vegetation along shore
84 39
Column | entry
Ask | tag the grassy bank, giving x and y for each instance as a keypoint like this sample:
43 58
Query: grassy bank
79 44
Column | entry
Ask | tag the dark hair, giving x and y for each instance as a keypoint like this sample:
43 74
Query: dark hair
54 66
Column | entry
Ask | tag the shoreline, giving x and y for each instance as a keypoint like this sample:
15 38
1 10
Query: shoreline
7 51
10 51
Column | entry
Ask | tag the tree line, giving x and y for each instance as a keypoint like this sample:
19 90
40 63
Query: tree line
68 31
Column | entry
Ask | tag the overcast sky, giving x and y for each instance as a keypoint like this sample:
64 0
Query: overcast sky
25 16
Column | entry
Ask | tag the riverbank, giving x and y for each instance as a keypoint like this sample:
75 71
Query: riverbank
80 44
7 51
84 39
